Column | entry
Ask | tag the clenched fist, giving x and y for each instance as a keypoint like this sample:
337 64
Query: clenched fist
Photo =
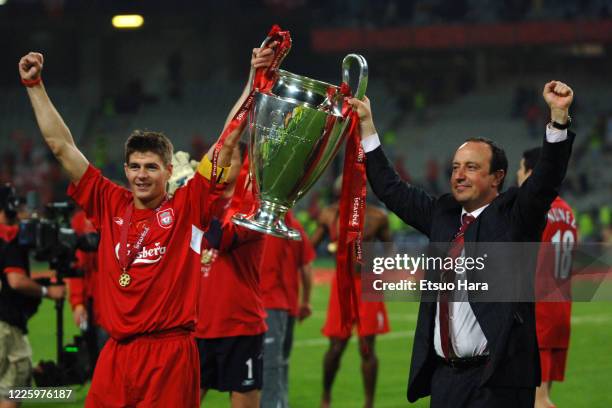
559 97
30 66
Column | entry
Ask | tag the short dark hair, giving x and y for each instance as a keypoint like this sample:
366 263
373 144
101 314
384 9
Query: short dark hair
531 157
499 161
9 202
145 141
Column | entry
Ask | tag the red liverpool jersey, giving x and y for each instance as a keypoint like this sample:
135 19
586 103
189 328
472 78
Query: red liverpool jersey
165 273
230 296
553 318
280 268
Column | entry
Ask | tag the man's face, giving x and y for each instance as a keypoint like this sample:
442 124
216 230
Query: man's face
147 176
522 173
471 184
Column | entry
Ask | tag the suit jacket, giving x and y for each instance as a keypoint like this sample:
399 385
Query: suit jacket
517 215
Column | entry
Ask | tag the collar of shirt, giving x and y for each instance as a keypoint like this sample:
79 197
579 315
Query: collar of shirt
474 213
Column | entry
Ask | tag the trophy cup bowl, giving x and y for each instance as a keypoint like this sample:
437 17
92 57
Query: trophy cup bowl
295 131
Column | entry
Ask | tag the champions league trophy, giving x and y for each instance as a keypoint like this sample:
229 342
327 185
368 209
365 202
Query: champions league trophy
295 131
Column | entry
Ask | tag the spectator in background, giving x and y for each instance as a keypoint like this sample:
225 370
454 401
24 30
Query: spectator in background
400 166
174 68
533 119
432 174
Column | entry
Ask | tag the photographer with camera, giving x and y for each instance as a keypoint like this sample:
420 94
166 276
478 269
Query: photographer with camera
81 290
19 298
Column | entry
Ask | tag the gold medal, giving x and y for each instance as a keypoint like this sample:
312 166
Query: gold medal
332 247
207 256
125 279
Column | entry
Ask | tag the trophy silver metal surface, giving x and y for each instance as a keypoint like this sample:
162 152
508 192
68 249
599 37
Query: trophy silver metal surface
295 130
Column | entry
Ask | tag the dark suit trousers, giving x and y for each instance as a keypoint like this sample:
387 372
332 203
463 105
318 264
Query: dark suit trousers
459 388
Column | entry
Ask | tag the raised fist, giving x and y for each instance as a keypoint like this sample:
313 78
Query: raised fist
558 95
30 66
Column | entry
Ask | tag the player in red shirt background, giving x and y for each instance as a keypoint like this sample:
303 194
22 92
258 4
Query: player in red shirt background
552 318
284 264
372 315
149 253
231 321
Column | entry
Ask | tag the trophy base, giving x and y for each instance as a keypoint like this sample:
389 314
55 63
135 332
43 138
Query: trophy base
268 219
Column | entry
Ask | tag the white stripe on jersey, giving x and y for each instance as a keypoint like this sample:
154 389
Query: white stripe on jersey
196 239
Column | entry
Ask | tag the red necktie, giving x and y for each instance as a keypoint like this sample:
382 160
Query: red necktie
449 276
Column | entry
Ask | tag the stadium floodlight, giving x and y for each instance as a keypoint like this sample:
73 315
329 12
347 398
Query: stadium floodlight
3 2
127 20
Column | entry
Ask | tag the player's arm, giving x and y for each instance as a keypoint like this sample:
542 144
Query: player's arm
260 58
306 280
540 189
76 291
20 282
52 126
413 205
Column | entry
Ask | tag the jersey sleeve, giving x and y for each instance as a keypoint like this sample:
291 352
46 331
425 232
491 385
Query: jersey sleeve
95 194
228 236
76 290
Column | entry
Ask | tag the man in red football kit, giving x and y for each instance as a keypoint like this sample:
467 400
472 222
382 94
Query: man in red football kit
372 315
150 257
284 264
231 321
552 318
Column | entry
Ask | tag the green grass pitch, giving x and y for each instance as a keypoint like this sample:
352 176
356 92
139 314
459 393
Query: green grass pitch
587 383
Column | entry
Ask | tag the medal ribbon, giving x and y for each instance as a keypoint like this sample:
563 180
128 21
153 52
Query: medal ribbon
127 257
352 215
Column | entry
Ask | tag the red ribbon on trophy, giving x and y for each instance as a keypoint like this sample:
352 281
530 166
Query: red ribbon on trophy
352 216
263 81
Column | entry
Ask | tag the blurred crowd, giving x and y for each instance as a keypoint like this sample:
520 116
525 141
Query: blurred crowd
426 12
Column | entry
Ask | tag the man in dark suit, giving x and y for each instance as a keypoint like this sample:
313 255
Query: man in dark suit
476 354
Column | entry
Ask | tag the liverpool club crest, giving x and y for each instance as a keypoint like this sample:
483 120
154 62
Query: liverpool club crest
165 218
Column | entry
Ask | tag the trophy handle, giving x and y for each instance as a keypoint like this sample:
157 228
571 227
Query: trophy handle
362 84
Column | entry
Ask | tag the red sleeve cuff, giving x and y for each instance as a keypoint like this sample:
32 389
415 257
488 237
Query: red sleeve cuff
14 269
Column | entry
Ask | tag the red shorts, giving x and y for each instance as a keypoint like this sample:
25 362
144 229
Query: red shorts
553 364
155 370
372 316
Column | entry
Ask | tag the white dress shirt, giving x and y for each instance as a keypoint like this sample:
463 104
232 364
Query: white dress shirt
465 333
466 336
